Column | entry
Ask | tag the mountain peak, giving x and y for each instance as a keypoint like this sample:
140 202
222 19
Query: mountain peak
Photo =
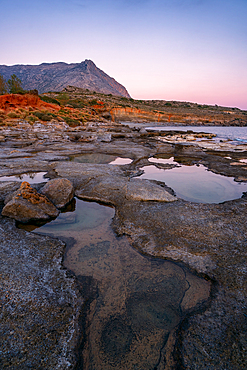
89 62
56 76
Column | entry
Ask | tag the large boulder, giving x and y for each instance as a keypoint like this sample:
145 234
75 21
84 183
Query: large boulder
27 204
59 191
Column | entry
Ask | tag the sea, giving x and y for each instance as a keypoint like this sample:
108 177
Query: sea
232 133
237 135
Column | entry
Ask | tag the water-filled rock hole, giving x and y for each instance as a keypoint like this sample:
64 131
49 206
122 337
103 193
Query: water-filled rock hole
136 302
194 183
100 158
31 177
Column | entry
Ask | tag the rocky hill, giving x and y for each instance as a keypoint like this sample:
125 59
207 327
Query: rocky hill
77 106
56 76
122 109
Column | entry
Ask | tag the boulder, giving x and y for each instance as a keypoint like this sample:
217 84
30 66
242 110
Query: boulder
59 191
145 190
27 204
116 189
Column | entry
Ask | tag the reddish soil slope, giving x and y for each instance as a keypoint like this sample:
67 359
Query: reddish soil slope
13 101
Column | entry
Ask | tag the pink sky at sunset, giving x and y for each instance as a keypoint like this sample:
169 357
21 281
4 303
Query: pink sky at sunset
188 50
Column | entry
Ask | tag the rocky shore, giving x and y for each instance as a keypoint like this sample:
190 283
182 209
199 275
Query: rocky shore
42 302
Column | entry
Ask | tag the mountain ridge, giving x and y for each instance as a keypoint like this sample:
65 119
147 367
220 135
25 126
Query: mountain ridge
56 76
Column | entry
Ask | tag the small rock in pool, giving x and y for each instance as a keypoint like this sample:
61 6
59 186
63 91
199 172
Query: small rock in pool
59 191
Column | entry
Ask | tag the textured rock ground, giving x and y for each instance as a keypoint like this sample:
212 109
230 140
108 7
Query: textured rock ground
40 304
208 238
211 239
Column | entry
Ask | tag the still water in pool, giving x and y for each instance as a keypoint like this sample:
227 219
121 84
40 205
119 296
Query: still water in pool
134 302
195 183
99 158
31 177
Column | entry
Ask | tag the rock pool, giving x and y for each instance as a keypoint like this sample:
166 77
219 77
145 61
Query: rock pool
134 302
99 158
194 183
31 177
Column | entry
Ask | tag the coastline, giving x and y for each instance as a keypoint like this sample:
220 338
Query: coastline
208 239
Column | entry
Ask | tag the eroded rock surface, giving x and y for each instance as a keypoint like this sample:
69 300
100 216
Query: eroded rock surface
112 184
8 187
211 239
208 238
40 304
147 191
58 191
27 204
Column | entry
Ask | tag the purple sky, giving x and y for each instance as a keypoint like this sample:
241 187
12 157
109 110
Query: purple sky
189 50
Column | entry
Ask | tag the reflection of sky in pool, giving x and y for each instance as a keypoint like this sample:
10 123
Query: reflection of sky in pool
99 158
162 160
32 177
196 183
120 161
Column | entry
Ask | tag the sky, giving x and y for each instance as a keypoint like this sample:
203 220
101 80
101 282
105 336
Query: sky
186 50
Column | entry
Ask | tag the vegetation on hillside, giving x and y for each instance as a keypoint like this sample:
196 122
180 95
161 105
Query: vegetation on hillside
3 86
79 98
15 85
76 106
127 109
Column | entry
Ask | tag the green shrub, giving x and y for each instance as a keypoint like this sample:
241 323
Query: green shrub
63 98
13 115
3 86
33 92
77 103
71 121
31 119
48 99
93 102
14 84
44 116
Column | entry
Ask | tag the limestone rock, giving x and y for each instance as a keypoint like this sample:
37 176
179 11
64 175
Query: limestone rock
144 190
58 191
56 76
40 302
8 188
27 204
